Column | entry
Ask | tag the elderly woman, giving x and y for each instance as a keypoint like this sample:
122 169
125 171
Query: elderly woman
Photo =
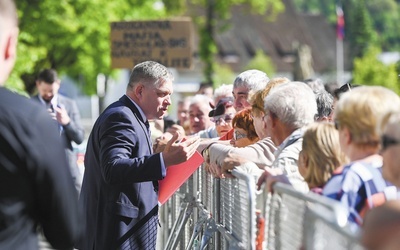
244 131
199 121
360 185
223 115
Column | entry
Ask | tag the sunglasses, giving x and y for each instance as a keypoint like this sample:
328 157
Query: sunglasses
387 141
336 123
222 118
237 135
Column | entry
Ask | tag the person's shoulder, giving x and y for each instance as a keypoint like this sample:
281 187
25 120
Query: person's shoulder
65 99
265 141
18 103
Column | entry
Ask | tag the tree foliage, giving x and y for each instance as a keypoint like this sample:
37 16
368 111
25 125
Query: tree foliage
214 17
368 70
71 36
385 19
262 62
223 74
362 34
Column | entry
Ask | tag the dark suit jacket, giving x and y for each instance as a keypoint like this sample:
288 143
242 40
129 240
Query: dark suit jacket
119 192
72 132
33 187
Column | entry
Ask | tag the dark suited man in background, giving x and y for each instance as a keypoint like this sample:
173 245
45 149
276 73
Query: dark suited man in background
120 185
65 111
33 166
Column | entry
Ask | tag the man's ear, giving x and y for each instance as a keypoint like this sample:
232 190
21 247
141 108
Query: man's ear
305 159
11 45
139 90
274 119
347 135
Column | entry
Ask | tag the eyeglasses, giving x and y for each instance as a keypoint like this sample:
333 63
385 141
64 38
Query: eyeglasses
237 135
387 141
226 118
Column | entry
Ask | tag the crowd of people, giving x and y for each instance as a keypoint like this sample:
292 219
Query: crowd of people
343 145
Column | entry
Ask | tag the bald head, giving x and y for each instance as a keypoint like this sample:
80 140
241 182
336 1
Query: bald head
8 11
8 38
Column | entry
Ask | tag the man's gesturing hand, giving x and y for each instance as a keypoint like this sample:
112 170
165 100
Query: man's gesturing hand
179 150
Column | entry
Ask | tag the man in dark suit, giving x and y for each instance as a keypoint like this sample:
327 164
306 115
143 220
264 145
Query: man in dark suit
120 185
65 111
33 187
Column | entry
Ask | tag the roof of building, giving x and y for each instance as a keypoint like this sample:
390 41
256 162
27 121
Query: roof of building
249 32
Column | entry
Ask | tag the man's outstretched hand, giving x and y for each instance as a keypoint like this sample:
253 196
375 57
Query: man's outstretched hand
179 149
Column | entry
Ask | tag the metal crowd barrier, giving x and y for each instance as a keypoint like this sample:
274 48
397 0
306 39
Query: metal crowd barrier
324 234
285 213
214 214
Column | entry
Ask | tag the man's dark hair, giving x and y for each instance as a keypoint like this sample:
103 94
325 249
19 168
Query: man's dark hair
204 85
48 76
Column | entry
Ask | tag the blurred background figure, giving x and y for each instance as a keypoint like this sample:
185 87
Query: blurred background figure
324 106
206 89
316 84
225 90
244 131
65 111
222 115
390 148
183 114
381 228
200 123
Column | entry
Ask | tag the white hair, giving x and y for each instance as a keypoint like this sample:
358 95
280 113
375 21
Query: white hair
252 79
225 90
201 99
293 103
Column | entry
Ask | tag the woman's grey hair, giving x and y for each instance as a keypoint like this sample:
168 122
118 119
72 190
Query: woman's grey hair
224 90
293 103
201 99
315 84
252 79
149 73
324 104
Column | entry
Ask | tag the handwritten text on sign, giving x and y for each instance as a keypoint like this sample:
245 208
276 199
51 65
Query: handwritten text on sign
168 42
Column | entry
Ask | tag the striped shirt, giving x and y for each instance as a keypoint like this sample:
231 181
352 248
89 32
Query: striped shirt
360 186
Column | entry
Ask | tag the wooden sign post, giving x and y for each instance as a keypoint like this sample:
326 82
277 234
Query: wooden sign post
168 42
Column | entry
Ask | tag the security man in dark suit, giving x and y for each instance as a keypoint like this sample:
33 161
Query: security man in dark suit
120 185
34 190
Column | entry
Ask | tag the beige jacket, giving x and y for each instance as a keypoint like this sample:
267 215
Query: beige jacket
261 153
